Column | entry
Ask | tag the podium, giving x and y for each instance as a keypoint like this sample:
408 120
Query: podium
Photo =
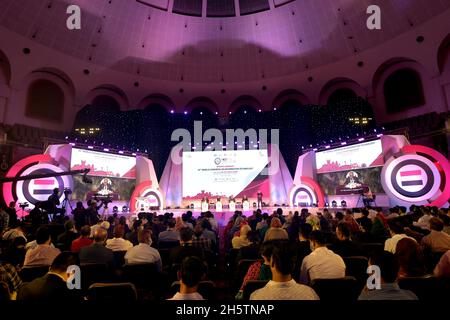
232 206
245 205
205 206
219 206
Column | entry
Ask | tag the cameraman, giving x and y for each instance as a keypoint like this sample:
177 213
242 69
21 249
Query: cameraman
53 202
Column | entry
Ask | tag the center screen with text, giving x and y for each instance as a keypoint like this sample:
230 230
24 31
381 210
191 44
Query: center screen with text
353 169
112 175
233 173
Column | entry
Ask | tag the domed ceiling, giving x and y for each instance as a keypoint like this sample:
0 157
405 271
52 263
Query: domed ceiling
213 40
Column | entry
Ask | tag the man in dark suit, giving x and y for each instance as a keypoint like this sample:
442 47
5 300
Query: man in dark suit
97 252
53 286
186 249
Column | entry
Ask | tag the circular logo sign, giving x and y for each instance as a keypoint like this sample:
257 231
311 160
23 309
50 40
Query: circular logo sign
37 190
411 178
145 198
303 196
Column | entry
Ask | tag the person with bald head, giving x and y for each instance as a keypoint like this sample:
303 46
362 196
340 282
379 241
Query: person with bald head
97 252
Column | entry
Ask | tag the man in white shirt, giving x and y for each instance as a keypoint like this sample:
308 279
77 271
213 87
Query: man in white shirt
43 254
143 252
437 240
321 263
191 273
118 243
397 232
282 286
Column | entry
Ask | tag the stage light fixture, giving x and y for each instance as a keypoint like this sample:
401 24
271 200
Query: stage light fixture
343 204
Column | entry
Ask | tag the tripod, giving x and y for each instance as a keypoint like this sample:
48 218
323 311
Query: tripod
64 204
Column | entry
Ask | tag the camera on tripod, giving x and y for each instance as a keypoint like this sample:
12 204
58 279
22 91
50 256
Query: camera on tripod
67 191
23 205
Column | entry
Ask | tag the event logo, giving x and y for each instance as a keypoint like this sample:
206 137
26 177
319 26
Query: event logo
145 198
34 190
217 161
415 178
307 194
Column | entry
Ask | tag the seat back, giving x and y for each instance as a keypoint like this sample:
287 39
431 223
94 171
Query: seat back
168 244
251 286
336 289
426 288
146 278
112 292
165 256
370 249
119 258
28 274
357 267
4 292
206 289
241 271
94 272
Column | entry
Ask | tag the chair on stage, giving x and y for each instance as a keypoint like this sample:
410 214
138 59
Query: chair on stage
112 292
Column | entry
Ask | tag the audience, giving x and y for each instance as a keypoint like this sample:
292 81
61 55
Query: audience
9 275
186 249
65 239
442 269
242 240
83 240
410 259
143 252
53 286
97 252
43 254
345 247
282 286
389 289
118 243
170 234
397 232
191 273
437 240
321 263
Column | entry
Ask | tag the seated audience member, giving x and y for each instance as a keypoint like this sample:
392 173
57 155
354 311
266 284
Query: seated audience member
79 215
186 249
410 258
191 273
212 221
437 240
322 263
170 234
364 219
397 232
282 286
303 246
83 240
118 243
442 269
53 286
132 236
351 222
97 252
207 231
252 250
260 270
100 225
65 239
242 240
199 240
276 232
15 252
43 254
9 275
345 247
389 289
11 234
143 252
123 222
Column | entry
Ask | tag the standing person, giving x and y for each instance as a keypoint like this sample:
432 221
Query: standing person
79 215
12 213
260 197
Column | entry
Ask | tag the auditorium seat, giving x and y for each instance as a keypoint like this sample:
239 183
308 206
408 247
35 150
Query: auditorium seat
336 289
146 278
28 274
357 267
251 286
94 272
168 244
370 249
206 289
4 292
241 271
123 292
119 258
427 288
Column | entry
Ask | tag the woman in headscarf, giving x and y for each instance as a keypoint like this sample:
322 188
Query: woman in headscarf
241 240
276 232
410 258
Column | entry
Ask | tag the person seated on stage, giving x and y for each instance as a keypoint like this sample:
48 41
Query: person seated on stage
186 248
170 234
282 286
389 268
83 240
53 286
143 252
437 240
242 240
97 252
344 246
43 254
410 258
118 243
191 273
322 263
397 232
276 232
65 239
259 270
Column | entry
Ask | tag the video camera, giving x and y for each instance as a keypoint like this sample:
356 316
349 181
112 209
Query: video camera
23 205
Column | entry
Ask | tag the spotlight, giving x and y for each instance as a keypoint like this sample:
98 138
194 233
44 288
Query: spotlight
172 111
185 112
